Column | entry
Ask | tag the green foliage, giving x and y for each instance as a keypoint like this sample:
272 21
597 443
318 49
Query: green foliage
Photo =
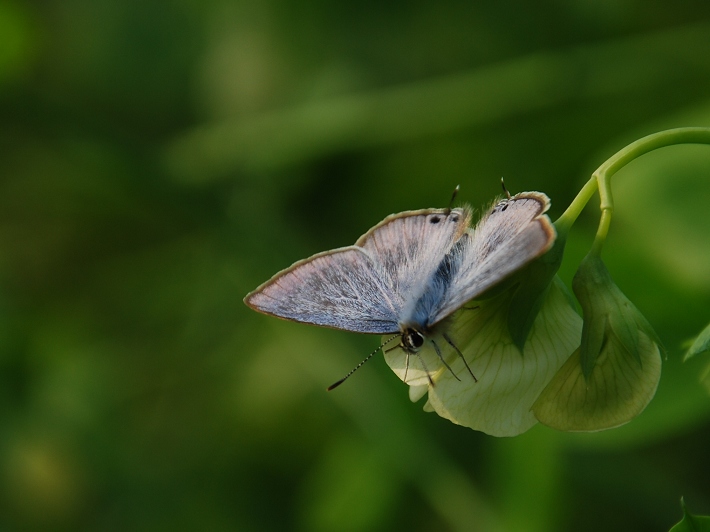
691 523
701 344
533 284
158 160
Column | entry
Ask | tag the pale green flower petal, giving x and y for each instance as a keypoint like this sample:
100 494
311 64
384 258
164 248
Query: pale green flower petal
607 312
616 391
614 374
417 392
508 381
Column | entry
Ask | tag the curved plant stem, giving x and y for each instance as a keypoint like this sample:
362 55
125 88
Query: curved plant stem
567 219
601 178
602 231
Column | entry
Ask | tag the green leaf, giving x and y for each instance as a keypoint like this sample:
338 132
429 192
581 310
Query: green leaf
705 378
691 523
534 283
700 345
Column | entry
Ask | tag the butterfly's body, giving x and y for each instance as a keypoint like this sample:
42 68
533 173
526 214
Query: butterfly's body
410 272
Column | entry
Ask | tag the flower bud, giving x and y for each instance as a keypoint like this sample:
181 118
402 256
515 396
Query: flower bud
614 374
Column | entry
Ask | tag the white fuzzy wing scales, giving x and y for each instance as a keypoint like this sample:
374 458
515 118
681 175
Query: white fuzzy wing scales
410 247
369 287
508 237
341 289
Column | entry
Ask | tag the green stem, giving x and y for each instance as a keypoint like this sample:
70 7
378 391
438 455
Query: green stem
564 222
601 178
602 231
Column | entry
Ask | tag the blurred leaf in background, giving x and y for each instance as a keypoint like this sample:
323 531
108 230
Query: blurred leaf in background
158 160
690 522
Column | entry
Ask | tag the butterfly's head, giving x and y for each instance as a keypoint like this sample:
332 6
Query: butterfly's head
412 339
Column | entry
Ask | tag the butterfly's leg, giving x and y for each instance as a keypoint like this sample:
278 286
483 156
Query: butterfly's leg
452 344
428 375
438 352
406 363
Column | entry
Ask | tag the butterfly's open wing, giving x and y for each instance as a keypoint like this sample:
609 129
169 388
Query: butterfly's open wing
512 234
367 287
409 248
340 289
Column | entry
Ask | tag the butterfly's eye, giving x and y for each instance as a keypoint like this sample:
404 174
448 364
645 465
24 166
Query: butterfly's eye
434 220
412 340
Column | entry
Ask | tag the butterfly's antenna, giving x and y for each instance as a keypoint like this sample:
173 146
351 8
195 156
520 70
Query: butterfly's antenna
453 197
341 381
438 352
391 348
452 344
502 183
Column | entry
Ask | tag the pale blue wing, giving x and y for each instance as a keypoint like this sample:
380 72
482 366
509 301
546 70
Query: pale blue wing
512 234
409 248
340 289
370 287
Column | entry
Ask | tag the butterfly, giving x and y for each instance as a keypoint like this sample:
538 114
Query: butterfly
410 272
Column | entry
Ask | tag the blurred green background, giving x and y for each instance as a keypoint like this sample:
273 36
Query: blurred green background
158 160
